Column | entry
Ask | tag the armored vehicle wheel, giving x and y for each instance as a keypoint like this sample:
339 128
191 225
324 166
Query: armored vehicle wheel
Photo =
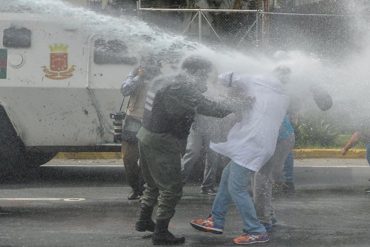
37 158
13 155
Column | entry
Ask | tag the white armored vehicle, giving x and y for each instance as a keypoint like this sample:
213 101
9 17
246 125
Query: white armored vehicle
58 86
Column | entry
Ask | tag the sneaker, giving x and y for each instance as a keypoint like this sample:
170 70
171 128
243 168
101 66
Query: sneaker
208 191
367 190
206 225
251 238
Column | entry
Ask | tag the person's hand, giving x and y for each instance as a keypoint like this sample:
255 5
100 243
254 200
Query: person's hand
243 106
140 71
244 103
345 149
247 102
239 116
351 142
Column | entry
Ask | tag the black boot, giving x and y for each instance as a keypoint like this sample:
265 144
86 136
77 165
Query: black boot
162 236
145 222
134 195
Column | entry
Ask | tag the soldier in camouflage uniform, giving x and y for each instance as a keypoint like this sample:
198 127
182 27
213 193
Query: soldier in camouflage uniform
169 113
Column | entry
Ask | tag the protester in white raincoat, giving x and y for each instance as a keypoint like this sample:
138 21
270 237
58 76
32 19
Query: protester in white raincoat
252 141
250 144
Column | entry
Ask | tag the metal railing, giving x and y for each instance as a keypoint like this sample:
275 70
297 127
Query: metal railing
201 18
254 31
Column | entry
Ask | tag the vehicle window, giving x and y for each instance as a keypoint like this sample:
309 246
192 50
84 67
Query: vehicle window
17 37
112 52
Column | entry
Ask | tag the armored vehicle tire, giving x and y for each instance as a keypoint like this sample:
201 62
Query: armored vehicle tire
13 154
18 161
37 158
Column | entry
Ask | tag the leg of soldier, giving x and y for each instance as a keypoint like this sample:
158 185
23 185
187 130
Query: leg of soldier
165 169
132 169
264 179
150 195
163 160
192 153
151 192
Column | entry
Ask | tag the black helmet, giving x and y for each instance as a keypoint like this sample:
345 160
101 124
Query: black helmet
196 64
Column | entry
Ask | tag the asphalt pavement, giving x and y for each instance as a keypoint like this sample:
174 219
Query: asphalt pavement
83 203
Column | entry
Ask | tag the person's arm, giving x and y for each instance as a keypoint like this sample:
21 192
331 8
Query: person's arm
213 109
239 102
221 109
229 79
184 97
351 142
132 82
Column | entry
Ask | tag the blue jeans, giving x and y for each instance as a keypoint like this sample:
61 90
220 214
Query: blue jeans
368 152
288 175
233 187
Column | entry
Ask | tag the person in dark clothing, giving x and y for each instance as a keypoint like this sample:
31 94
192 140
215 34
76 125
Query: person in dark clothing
169 113
136 86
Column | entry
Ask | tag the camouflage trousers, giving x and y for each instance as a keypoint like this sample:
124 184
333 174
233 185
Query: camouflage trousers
134 177
160 157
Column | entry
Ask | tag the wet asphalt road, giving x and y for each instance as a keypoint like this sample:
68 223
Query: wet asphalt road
83 203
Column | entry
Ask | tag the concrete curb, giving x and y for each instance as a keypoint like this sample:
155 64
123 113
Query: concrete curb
329 153
306 153
89 155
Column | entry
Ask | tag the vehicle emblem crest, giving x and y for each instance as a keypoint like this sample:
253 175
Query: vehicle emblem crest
59 69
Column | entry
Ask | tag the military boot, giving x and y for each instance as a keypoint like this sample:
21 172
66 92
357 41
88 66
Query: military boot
145 222
162 236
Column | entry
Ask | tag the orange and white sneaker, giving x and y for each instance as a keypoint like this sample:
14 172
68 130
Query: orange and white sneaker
206 225
251 238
